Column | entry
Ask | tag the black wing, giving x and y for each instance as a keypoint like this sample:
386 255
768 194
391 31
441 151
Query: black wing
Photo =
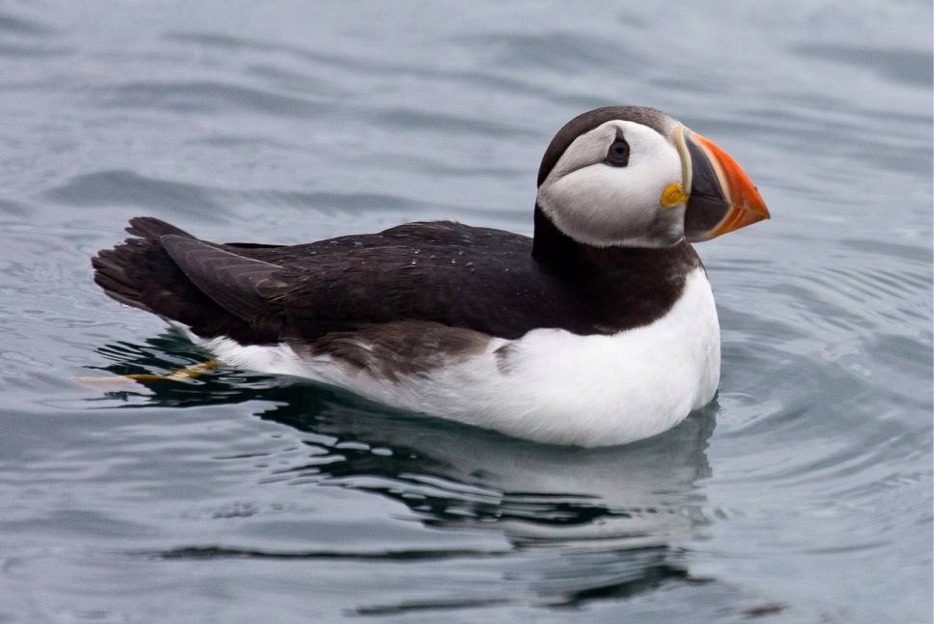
473 278
485 281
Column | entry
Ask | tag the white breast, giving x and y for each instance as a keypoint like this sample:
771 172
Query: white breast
553 386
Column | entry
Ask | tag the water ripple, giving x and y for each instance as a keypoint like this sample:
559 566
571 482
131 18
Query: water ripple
914 67
209 97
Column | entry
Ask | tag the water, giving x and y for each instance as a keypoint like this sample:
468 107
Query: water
803 495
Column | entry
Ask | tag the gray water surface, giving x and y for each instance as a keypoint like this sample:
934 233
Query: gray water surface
803 494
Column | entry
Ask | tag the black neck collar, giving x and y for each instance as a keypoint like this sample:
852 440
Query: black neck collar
560 254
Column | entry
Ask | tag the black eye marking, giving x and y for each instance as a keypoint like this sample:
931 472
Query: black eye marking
619 152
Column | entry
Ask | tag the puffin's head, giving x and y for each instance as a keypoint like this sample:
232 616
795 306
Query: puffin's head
627 176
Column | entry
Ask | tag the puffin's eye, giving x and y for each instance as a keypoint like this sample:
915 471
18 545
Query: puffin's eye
619 152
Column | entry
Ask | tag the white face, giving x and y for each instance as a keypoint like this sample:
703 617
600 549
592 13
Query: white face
603 205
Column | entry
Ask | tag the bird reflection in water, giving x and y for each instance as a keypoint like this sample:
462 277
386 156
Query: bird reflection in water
615 515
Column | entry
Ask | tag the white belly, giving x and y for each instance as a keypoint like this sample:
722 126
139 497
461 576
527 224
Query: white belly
554 386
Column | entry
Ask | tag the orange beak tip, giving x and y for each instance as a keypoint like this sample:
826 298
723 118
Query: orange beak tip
746 204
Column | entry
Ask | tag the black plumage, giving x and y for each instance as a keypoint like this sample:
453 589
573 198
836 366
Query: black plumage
453 275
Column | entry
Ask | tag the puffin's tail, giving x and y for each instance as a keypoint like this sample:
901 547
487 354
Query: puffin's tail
135 271
139 272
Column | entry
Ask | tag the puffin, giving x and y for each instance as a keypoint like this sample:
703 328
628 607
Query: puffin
599 330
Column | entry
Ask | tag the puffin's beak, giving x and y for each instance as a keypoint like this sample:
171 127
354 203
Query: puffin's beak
722 197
